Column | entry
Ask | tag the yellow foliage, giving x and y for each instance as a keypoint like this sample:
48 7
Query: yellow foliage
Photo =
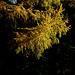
46 29
42 30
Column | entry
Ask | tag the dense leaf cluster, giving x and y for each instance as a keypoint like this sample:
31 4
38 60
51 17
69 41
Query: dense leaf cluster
37 30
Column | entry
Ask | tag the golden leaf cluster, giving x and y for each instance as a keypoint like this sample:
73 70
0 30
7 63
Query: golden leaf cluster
39 29
41 37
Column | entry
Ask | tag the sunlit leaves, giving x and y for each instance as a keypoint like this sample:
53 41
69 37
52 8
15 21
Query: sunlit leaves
48 24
